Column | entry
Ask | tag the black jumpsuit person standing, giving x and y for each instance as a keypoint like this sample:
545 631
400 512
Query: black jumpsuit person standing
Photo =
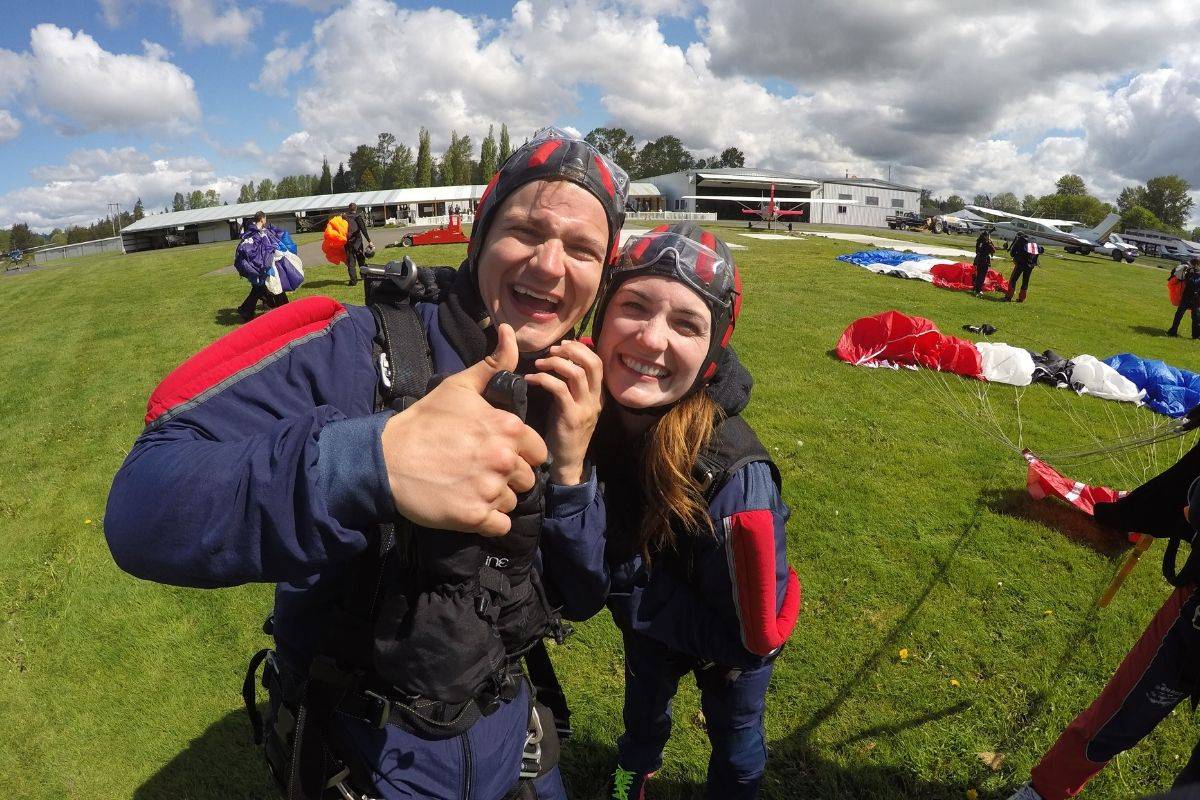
356 231
985 248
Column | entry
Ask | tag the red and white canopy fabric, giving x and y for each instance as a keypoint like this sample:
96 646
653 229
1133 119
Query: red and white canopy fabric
1044 480
894 339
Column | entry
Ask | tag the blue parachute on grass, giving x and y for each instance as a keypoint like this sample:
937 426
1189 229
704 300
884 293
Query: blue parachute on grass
1169 390
869 258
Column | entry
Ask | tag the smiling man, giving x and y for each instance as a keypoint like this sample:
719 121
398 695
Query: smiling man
396 670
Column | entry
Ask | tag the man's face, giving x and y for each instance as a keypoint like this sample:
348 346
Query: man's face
541 263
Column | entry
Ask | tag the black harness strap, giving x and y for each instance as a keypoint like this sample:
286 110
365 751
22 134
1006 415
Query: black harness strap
409 362
733 446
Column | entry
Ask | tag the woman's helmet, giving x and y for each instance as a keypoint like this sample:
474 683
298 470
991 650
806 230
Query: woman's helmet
691 255
554 154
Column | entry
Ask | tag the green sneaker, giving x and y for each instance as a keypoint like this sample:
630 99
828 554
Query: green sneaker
626 785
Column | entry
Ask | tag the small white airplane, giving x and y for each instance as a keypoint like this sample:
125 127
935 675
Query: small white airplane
768 208
1072 236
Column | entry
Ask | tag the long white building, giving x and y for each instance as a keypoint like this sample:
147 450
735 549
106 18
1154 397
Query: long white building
868 201
224 223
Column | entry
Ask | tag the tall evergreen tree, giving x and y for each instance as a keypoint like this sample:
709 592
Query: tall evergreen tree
266 190
367 181
339 179
505 144
325 182
400 170
424 160
139 210
178 203
247 193
449 176
488 153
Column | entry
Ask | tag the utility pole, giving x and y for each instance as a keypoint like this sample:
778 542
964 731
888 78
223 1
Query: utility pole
114 211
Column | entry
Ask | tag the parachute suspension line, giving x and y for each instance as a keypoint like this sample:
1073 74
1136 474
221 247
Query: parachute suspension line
954 402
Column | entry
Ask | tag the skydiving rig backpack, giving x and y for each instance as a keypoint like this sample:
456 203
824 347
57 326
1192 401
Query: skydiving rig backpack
431 630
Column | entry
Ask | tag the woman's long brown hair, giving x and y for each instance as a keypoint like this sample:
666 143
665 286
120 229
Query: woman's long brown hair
672 495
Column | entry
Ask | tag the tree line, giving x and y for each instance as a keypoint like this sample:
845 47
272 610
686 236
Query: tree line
391 164
1161 204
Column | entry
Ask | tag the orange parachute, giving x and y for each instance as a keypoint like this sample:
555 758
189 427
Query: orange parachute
1175 290
334 243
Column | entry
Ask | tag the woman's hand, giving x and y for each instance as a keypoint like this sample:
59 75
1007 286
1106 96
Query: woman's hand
574 376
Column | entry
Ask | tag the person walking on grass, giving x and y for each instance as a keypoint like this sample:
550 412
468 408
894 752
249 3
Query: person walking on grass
985 248
356 250
1025 254
253 260
1189 275
686 543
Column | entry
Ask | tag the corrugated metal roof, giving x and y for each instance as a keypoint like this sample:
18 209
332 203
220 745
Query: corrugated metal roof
876 182
327 202
322 202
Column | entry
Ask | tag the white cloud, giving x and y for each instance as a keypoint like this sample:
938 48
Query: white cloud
113 12
15 69
77 192
203 22
279 65
79 87
10 126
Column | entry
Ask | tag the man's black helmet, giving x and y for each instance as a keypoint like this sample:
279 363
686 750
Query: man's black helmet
553 154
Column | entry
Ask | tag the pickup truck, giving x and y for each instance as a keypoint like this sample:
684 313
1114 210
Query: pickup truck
906 220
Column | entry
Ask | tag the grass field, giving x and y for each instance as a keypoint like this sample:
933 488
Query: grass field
910 529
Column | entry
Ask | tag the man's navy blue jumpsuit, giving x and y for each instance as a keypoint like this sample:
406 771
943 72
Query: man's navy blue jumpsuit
261 461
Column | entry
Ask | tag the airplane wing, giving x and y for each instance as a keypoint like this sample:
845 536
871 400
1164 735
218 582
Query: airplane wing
767 199
992 212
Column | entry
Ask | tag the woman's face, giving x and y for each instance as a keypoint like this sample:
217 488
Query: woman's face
653 341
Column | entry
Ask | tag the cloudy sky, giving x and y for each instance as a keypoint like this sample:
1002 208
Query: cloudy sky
110 100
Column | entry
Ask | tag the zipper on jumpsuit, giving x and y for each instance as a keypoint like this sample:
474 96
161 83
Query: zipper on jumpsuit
466 751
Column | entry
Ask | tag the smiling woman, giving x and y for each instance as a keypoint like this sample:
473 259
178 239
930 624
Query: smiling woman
686 540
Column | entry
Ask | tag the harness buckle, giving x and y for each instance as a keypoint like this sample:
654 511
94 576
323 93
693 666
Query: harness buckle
385 708
531 754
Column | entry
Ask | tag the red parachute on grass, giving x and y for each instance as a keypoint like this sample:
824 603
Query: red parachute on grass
961 276
895 339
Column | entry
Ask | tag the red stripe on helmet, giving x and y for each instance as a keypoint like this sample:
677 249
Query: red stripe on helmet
709 241
704 267
488 190
639 249
605 177
661 229
712 370
544 152
728 335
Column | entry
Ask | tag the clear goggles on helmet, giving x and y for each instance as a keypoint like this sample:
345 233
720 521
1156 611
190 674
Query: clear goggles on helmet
620 177
698 266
